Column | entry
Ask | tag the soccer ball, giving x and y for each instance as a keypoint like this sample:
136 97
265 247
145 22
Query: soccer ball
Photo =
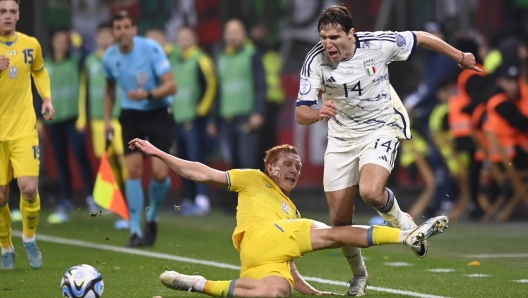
82 281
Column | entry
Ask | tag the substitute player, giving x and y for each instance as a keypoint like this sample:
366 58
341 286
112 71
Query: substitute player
141 69
366 119
270 232
20 59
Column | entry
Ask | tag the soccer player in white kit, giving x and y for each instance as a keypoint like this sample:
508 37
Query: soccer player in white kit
366 118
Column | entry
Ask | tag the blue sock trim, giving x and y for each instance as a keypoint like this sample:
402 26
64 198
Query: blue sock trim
390 202
370 237
231 290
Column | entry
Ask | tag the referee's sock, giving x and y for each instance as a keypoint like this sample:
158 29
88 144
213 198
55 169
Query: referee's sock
135 199
157 194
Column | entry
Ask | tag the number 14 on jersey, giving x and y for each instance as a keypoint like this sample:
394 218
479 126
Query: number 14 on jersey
357 88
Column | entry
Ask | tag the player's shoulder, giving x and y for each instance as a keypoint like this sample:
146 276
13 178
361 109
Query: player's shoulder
147 44
374 40
27 39
111 52
314 58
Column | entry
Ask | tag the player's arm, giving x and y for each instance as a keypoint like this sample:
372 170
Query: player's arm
301 286
433 43
195 171
311 82
42 82
167 87
109 100
162 68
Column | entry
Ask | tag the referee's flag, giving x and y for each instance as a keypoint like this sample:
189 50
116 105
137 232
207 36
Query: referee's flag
106 190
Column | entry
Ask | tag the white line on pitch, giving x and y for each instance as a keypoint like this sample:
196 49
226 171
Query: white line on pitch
164 256
495 256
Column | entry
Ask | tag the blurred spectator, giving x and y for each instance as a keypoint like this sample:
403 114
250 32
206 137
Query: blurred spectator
275 94
445 191
195 74
507 114
242 97
64 71
160 37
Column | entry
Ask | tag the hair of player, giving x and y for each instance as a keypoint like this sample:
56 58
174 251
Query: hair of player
272 155
17 1
334 16
121 15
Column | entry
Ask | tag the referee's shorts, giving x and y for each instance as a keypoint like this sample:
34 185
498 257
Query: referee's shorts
155 126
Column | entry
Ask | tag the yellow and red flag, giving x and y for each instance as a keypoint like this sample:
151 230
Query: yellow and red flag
106 190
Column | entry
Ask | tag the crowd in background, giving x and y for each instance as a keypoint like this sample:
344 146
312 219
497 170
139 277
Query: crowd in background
454 113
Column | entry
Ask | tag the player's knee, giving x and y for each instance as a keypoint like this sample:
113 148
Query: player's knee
372 195
28 191
3 195
159 176
275 291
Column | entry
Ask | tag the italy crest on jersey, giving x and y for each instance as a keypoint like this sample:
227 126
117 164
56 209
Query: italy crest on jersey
370 67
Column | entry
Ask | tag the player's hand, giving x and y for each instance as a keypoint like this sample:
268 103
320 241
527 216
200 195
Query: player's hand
47 111
143 146
327 110
468 62
139 94
255 121
109 128
4 63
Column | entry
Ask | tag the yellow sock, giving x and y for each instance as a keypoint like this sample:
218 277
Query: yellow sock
224 288
30 215
5 227
380 235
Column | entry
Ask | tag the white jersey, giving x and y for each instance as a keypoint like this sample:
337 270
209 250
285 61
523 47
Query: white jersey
359 85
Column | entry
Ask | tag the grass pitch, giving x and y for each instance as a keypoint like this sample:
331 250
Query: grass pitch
503 269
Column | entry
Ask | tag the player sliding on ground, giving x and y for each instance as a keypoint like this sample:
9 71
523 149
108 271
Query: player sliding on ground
270 232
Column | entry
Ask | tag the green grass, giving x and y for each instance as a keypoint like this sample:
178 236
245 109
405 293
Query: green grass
209 238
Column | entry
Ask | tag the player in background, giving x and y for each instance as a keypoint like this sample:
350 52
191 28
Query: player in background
365 119
194 71
20 59
270 232
142 71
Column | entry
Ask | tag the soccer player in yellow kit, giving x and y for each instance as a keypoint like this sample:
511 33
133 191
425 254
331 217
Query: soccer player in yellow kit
270 232
20 58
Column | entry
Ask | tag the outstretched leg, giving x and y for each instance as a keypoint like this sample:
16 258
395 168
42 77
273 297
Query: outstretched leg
270 286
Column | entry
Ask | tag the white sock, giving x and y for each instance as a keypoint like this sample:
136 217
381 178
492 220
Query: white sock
199 285
355 260
26 239
391 212
8 250
202 201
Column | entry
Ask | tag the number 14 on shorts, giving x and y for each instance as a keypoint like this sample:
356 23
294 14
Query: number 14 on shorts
389 147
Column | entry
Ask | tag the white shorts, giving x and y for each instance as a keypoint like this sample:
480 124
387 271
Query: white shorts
343 160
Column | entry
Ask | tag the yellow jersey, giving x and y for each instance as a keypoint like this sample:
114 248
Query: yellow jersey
260 200
17 113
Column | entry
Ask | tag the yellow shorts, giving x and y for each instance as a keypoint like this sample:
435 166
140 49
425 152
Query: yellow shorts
99 139
268 248
19 157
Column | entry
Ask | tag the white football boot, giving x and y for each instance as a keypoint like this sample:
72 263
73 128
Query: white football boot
178 281
429 228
